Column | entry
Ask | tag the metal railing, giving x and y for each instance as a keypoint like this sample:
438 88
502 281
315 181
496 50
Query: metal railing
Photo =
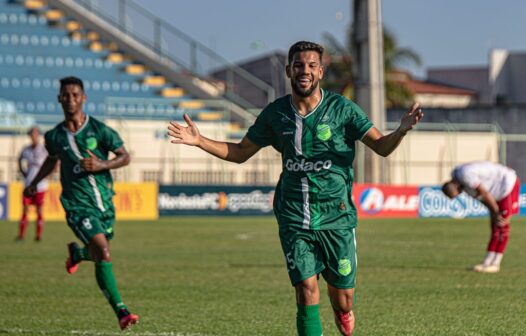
170 43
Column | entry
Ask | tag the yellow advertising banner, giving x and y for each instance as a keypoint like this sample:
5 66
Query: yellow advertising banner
136 201
133 201
52 207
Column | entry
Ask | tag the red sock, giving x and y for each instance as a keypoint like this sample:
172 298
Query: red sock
22 226
504 235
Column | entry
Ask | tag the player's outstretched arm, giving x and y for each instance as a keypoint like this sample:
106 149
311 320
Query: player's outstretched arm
386 144
190 135
47 167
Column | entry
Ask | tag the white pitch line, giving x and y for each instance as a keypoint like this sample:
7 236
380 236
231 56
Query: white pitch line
97 333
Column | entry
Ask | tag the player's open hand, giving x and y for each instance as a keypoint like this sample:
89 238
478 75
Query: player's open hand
188 135
92 163
497 219
411 118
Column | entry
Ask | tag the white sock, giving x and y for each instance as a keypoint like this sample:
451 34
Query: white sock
498 258
490 258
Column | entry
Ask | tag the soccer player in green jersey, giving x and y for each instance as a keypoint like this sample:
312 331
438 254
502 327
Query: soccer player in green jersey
82 144
315 132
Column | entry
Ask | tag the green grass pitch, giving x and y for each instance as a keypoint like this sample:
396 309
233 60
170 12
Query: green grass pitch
226 276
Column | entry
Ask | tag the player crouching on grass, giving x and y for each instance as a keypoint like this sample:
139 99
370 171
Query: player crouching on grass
497 187
315 131
82 144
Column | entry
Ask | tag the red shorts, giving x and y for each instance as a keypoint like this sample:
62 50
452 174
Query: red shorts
37 199
509 205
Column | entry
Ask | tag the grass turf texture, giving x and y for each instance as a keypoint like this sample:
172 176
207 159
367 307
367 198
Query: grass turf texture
226 276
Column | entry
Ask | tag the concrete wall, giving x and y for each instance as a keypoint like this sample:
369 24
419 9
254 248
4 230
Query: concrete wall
510 119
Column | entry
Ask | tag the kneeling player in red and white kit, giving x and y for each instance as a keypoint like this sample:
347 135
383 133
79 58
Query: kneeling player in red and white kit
497 187
29 162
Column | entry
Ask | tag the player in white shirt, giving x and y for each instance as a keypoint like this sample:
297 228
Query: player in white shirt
29 163
497 187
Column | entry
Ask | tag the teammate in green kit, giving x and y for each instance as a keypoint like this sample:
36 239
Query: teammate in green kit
315 132
82 144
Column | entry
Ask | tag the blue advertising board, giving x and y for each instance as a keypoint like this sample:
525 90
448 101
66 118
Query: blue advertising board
215 200
3 201
433 203
522 200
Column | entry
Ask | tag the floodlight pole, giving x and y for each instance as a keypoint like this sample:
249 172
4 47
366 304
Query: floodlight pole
369 76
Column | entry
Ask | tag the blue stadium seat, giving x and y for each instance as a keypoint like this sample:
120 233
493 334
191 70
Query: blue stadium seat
34 54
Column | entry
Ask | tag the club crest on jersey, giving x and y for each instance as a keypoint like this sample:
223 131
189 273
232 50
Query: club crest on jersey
91 143
344 267
323 132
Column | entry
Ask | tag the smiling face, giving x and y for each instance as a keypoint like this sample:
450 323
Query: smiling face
305 72
72 98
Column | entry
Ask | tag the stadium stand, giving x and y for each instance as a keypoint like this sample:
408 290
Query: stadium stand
42 41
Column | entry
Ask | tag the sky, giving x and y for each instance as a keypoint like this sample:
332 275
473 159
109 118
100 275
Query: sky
443 32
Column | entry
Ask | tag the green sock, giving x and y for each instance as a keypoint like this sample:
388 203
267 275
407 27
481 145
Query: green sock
108 286
308 320
81 253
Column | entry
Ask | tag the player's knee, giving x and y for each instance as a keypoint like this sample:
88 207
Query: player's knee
344 305
100 253
106 255
307 292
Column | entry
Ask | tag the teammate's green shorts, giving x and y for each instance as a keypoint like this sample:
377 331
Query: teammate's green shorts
86 225
329 252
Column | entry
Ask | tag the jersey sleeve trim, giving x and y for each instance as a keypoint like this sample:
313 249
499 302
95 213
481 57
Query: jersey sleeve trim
367 129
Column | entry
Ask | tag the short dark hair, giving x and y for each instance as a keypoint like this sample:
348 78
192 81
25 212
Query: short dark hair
304 46
450 188
71 80
32 128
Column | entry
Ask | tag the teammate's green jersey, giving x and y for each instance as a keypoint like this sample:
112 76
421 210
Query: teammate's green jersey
83 191
317 150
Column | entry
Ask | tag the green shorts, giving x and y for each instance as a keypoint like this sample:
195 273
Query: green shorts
87 225
329 252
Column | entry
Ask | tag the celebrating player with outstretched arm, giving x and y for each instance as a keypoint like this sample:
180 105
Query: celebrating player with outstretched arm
315 131
82 144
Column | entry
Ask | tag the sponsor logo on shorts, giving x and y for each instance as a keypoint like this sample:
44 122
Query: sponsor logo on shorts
344 267
87 224
307 166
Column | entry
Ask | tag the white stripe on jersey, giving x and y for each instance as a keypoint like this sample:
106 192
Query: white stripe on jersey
306 202
91 178
355 254
96 191
299 152
297 136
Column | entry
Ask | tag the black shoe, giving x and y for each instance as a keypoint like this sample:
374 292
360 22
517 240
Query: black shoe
72 267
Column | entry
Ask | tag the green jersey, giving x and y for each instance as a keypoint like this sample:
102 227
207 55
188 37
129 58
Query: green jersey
83 191
317 150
